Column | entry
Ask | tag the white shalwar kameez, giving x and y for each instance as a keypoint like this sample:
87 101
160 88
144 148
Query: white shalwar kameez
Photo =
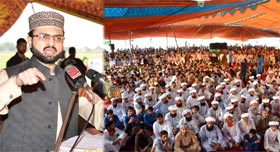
207 137
272 140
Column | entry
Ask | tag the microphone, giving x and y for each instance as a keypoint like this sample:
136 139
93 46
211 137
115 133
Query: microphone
77 79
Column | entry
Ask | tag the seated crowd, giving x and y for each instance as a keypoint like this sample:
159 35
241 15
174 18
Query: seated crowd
183 100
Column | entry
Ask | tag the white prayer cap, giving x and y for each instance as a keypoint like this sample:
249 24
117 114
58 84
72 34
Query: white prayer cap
218 87
193 91
168 93
265 100
259 75
237 81
162 96
223 83
218 95
194 84
229 107
179 90
172 107
255 83
186 111
276 97
227 115
201 98
148 95
152 87
251 89
184 83
125 95
270 72
183 126
155 83
273 123
143 85
113 99
244 115
138 97
178 98
138 89
203 84
232 89
253 101
251 77
214 102
234 100
167 85
210 119
243 96
226 80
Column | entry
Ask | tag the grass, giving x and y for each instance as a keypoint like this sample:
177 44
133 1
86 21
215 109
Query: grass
5 56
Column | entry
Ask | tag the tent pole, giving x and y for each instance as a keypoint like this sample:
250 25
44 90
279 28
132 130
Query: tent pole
129 34
166 40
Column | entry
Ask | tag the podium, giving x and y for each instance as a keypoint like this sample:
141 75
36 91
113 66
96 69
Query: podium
86 143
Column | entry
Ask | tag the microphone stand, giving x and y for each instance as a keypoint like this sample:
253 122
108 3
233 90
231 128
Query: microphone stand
65 121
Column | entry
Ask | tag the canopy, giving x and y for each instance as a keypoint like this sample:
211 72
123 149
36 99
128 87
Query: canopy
235 19
10 10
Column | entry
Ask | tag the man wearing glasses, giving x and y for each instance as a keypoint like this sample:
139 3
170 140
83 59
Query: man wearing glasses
34 95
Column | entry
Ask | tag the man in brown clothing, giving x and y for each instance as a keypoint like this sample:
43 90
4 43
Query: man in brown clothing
186 140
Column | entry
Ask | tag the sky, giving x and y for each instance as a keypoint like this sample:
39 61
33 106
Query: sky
78 32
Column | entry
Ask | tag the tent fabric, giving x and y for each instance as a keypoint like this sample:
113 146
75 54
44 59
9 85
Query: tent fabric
241 21
10 10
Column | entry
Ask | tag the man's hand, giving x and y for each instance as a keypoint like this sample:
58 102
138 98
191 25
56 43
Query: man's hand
29 77
117 142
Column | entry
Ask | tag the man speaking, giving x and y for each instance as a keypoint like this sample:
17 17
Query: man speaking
34 95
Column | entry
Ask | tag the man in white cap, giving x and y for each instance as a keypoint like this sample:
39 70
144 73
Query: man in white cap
270 77
192 99
252 95
275 106
231 131
152 90
218 97
245 124
130 93
265 105
253 111
162 105
186 140
179 104
203 106
231 110
184 87
173 117
244 105
211 136
144 88
125 102
204 91
149 101
187 119
233 95
244 91
216 112
260 80
138 92
117 108
38 91
272 137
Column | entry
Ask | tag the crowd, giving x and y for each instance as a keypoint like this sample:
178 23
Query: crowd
193 99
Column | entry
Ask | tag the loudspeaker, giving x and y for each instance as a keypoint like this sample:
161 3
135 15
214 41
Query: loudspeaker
217 46
112 46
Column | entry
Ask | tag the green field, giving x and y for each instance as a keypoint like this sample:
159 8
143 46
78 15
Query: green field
90 55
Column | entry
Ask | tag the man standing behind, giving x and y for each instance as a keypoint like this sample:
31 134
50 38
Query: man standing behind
19 56
74 61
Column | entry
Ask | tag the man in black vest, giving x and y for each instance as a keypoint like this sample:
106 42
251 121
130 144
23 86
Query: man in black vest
34 94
